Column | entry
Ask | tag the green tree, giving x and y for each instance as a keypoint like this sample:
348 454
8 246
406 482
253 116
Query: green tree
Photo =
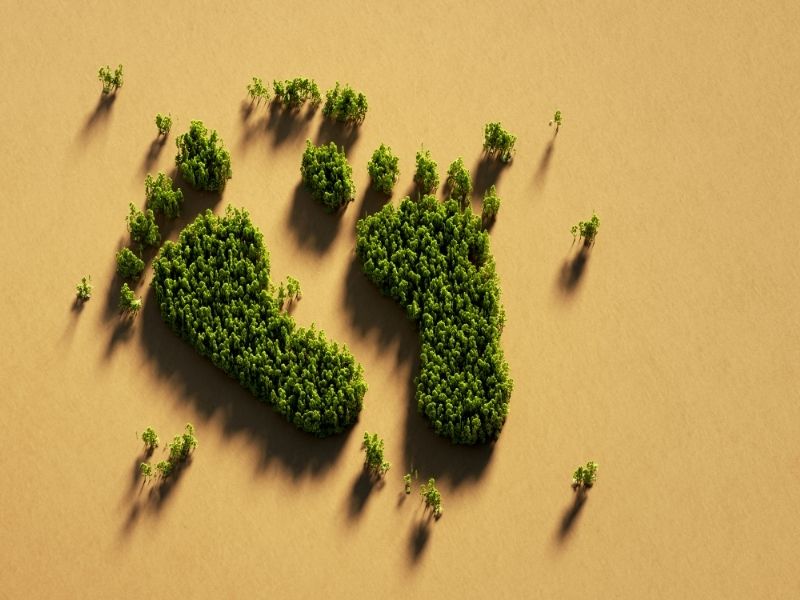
432 497
407 479
202 159
160 196
164 124
459 181
182 445
383 169
587 230
425 176
585 477
165 468
142 227
374 460
128 302
345 104
257 91
84 288
112 80
558 120
129 266
327 175
150 438
498 142
491 204
146 469
293 93
293 288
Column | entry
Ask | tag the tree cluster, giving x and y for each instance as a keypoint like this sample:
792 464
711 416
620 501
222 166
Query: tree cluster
459 181
587 230
202 159
435 261
164 124
257 91
161 197
111 80
383 169
498 142
432 497
425 175
212 289
327 175
345 104
180 448
585 476
491 205
128 302
142 226
374 460
293 93
129 266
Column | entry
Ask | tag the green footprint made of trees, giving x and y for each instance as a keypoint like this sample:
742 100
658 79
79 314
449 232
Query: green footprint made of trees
434 259
212 289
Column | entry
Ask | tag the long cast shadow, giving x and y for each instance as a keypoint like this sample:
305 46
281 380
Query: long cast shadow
313 227
570 515
152 154
572 270
287 123
100 114
540 176
420 536
487 172
342 134
363 486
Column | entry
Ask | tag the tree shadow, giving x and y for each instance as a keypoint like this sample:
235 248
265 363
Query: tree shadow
344 135
99 115
420 536
313 227
540 175
363 485
153 152
372 201
572 270
571 514
487 173
285 122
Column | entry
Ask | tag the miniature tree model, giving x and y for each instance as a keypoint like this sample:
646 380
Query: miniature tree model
293 93
202 159
129 266
142 227
164 124
374 460
112 80
585 477
293 288
150 438
491 204
84 288
327 175
425 176
587 230
345 105
558 120
160 196
432 497
257 91
407 483
164 468
182 445
128 302
383 169
459 182
498 142
146 469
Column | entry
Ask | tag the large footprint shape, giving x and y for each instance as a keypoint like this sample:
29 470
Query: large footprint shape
435 261
211 287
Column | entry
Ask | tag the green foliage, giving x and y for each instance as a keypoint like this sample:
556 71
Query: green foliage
128 302
327 175
293 288
374 460
129 266
161 197
407 478
164 124
434 260
425 176
587 229
459 181
150 438
142 227
84 288
182 445
383 169
498 142
558 120
491 204
585 476
164 468
258 91
212 290
345 104
293 93
112 80
146 469
432 497
202 159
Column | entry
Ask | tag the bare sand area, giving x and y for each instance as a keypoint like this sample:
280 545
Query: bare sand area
671 358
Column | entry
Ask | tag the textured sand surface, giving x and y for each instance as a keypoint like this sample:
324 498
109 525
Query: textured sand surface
672 360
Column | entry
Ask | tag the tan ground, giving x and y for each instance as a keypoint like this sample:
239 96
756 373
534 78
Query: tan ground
673 361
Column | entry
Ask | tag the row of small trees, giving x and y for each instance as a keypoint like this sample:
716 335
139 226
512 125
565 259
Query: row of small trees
181 446
342 103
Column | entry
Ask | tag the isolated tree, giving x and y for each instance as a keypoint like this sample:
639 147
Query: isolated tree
150 438
585 477
327 175
459 181
160 196
407 482
587 230
142 227
164 468
432 497
128 302
498 142
425 176
374 460
129 266
84 288
257 91
345 104
146 469
491 204
293 93
164 124
112 80
202 159
558 120
383 169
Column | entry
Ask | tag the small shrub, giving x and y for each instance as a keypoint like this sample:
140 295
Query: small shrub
558 120
425 176
293 288
345 105
182 445
202 159
142 227
407 478
585 476
128 302
129 266
257 91
587 230
432 497
112 80
459 182
84 288
160 196
164 468
293 93
327 175
150 438
146 469
164 124
383 169
374 460
491 204
498 142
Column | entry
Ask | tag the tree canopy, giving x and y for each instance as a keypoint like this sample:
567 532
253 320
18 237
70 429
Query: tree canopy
382 168
498 142
111 80
293 93
202 159
459 181
327 175
160 196
142 226
345 104
425 175
129 266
